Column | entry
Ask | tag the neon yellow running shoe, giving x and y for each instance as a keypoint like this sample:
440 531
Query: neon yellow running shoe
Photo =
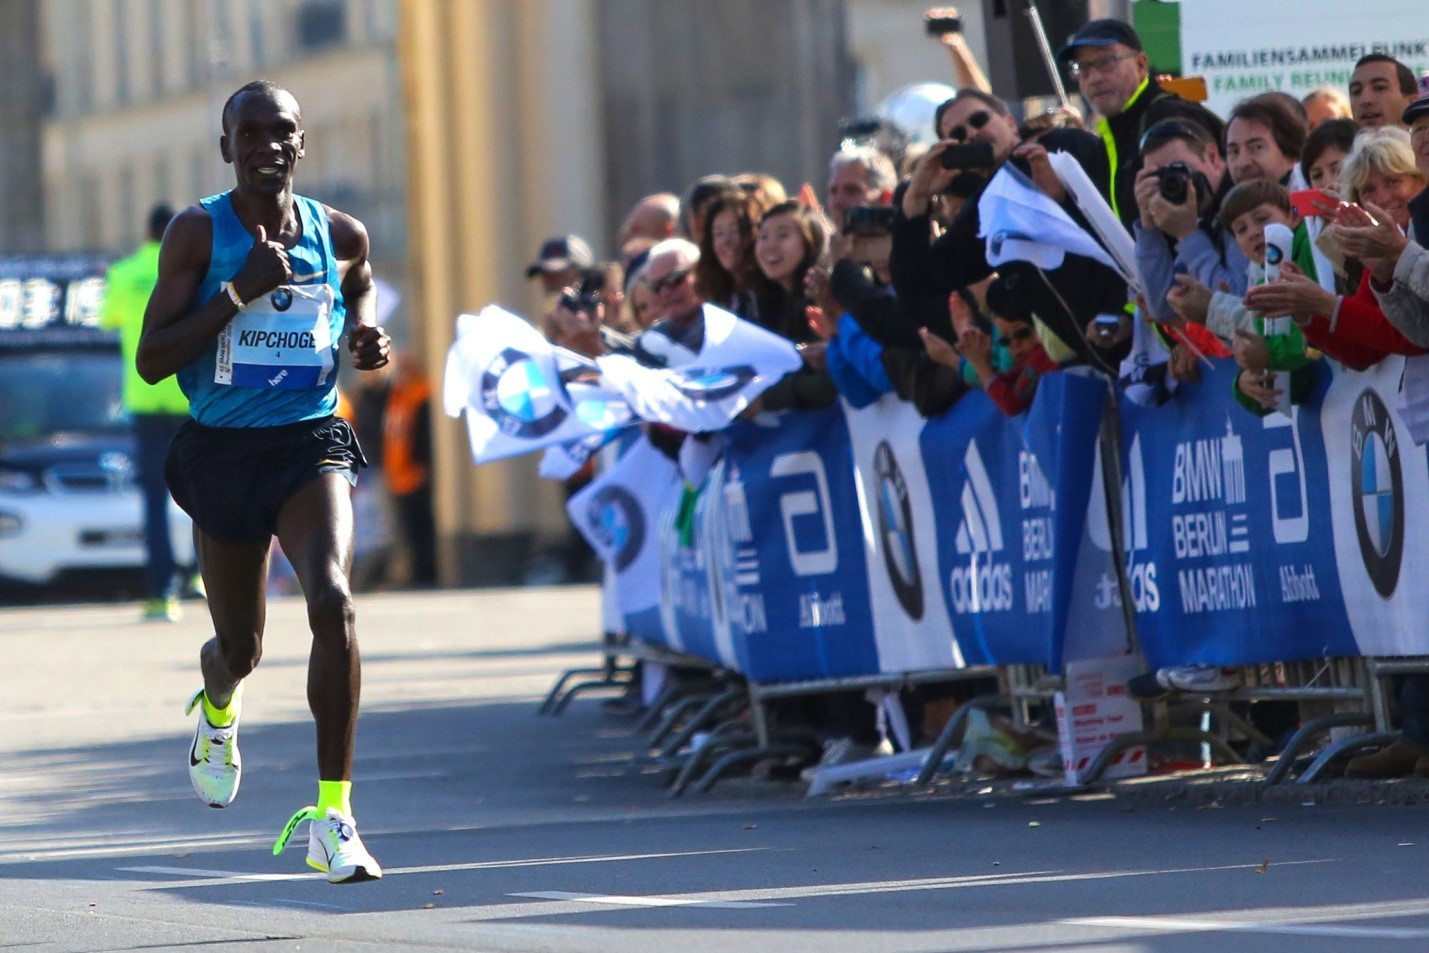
215 767
333 846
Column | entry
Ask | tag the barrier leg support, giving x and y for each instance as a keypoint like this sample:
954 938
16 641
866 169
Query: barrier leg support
940 748
656 711
673 716
701 718
581 687
1227 717
1341 748
776 750
560 686
1308 731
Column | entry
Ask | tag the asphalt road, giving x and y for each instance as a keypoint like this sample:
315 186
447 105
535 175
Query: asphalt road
500 830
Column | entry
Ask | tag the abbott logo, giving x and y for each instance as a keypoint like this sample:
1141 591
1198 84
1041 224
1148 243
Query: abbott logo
983 585
811 562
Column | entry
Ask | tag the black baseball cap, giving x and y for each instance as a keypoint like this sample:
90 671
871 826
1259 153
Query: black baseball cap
558 254
1101 33
1420 107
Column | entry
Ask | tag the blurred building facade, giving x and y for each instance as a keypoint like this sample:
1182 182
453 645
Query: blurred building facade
135 91
463 132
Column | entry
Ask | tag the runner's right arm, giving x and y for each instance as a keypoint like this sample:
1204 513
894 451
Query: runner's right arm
176 329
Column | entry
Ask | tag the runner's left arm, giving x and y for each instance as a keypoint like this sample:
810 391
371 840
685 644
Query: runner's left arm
369 343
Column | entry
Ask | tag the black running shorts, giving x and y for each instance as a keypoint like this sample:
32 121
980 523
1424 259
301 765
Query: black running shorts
233 481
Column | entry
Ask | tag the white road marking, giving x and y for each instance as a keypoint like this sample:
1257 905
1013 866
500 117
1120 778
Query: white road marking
200 877
1198 925
619 901
820 891
213 874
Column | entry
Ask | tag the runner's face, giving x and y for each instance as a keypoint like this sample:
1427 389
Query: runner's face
264 141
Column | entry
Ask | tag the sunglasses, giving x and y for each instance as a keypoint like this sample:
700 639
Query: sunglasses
1016 337
1102 64
670 280
976 121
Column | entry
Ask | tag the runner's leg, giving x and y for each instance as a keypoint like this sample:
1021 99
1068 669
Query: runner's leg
315 529
235 575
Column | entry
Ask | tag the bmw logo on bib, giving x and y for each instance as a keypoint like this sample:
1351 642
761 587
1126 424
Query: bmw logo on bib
617 518
1378 486
895 526
281 299
716 384
516 394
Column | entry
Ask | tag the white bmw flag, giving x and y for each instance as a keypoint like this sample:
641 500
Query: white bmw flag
1020 222
738 362
619 515
519 392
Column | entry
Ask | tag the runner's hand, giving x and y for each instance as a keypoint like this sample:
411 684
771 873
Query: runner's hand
266 268
370 347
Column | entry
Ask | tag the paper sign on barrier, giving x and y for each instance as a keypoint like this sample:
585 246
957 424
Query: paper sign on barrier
1093 711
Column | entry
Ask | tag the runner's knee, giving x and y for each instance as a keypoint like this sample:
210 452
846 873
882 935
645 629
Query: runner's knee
331 610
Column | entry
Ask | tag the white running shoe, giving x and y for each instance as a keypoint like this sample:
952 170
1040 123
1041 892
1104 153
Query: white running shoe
334 846
215 767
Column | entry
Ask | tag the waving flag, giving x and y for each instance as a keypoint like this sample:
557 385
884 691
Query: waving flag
1020 222
519 392
737 363
618 514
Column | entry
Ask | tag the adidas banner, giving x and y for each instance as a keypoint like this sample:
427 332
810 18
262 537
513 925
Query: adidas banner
1009 508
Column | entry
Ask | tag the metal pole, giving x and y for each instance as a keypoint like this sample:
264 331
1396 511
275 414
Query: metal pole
1046 49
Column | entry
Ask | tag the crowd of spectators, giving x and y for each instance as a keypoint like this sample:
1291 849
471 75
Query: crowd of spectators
885 286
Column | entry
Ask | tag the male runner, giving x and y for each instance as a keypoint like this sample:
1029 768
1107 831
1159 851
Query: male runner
254 286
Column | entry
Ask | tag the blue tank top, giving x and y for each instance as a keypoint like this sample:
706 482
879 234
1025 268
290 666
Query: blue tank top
276 362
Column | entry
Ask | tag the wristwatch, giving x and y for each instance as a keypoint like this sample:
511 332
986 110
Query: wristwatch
233 295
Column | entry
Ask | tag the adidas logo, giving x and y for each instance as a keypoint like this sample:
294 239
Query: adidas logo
981 528
981 584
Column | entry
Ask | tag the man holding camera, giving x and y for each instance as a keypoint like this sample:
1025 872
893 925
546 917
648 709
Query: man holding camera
1178 198
982 137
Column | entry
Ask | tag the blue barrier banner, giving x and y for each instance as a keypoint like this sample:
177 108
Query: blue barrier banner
900 538
1227 521
789 550
1010 504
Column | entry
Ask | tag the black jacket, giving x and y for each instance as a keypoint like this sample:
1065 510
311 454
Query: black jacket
1066 299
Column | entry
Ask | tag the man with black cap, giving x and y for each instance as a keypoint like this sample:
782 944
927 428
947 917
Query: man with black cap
1113 73
561 262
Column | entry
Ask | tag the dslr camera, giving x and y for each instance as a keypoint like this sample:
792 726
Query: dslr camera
1175 180
869 220
584 297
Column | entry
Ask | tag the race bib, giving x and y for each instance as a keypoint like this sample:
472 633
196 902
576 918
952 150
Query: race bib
282 340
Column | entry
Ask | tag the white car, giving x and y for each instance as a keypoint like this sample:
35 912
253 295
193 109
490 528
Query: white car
70 506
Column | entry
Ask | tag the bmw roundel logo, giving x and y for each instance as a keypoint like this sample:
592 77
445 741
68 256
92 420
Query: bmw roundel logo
1378 485
281 299
516 394
619 522
895 527
716 383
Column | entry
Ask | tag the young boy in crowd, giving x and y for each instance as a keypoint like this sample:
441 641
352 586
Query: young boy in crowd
1011 389
1247 210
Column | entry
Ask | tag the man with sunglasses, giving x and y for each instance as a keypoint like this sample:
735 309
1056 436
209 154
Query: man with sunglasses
676 338
1113 73
925 271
